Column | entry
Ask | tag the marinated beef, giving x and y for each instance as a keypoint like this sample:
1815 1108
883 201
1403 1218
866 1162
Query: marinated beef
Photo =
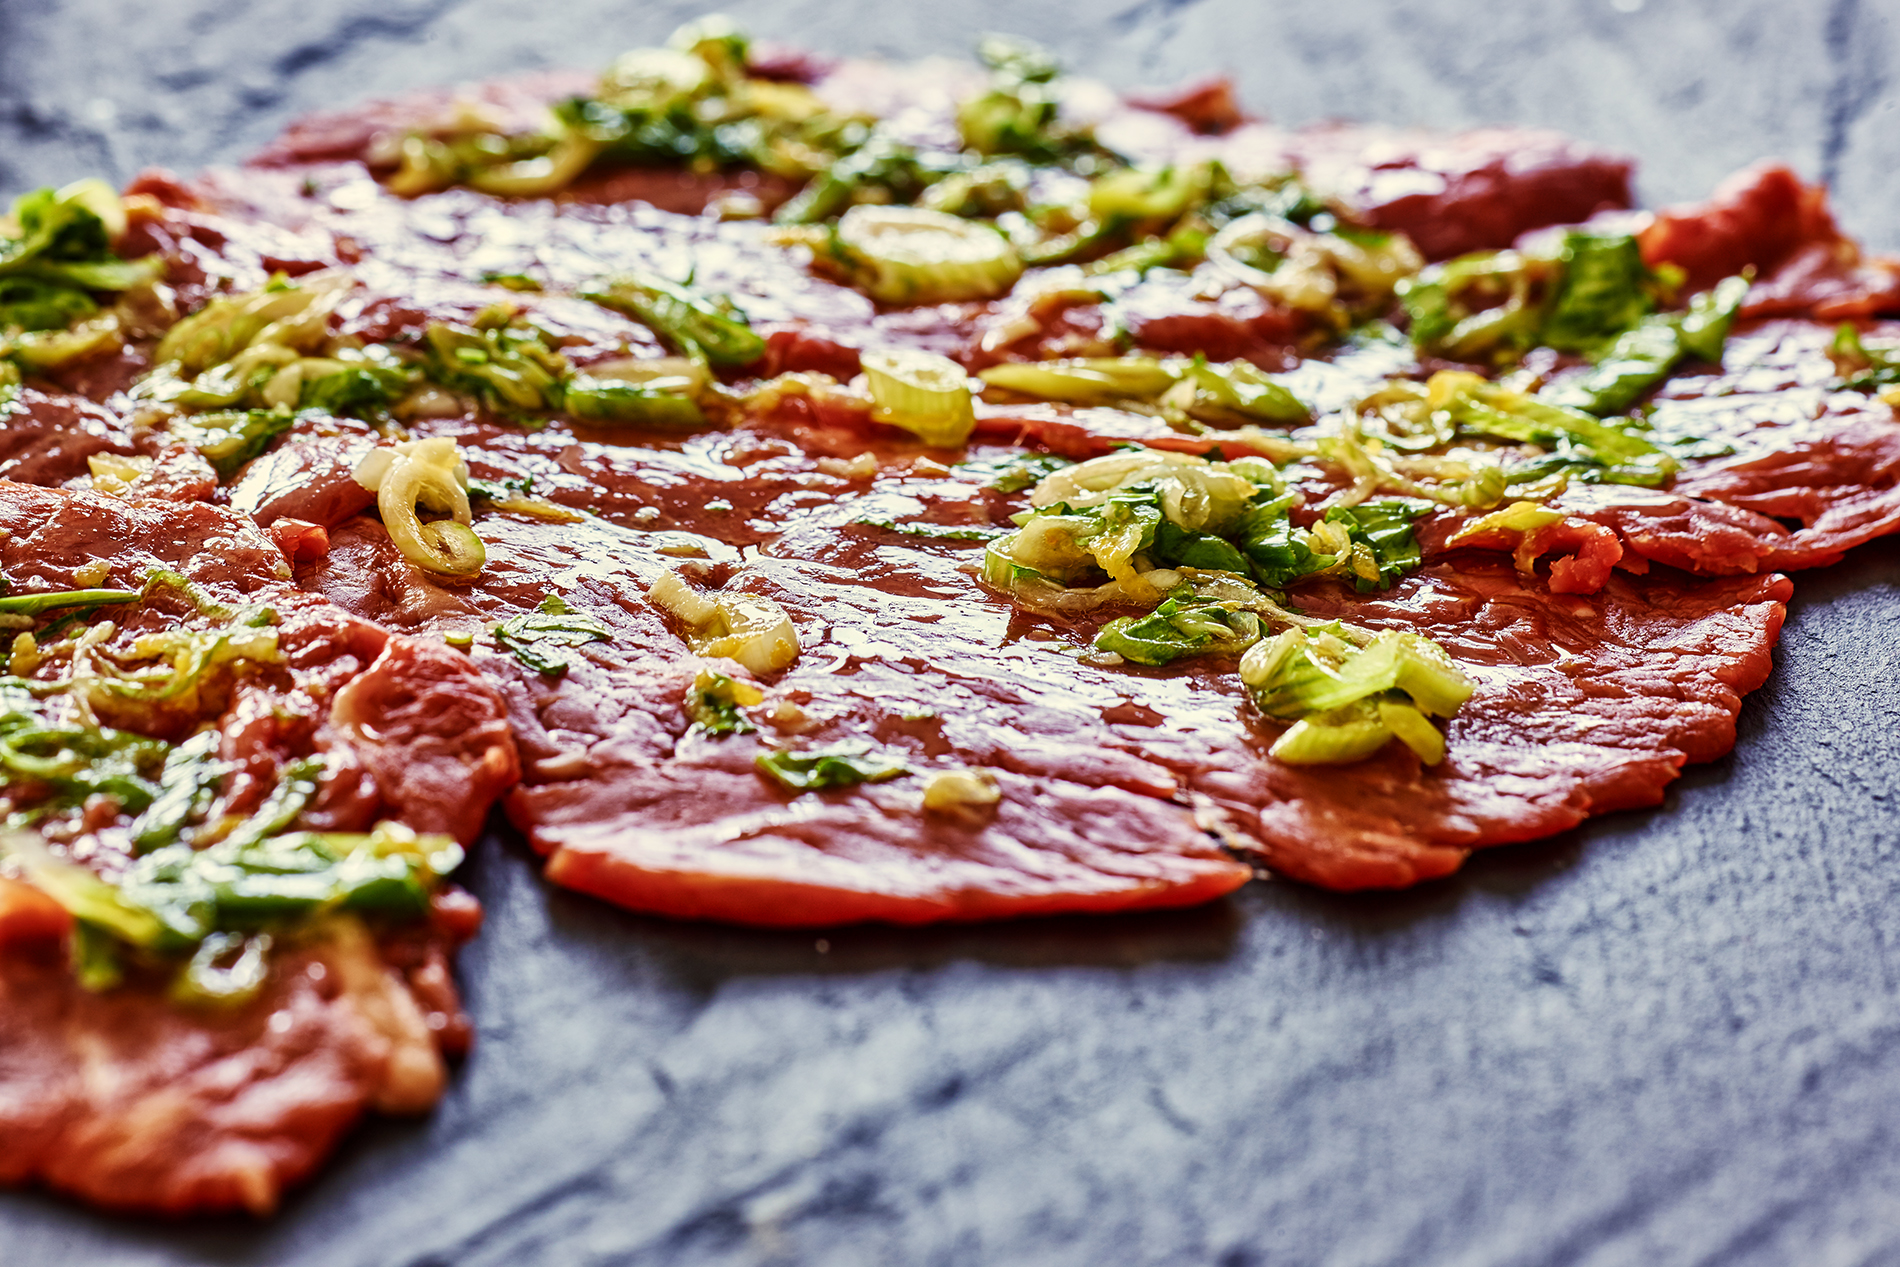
132 1102
127 1097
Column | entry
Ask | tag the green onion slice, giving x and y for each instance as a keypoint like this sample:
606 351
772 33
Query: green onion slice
923 393
907 255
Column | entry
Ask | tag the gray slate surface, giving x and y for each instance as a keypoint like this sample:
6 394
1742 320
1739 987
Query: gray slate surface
1673 1037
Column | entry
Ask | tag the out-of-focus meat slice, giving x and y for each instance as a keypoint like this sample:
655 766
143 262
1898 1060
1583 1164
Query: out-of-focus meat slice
46 438
1466 191
133 1103
1584 705
1765 217
1207 105
1240 325
518 104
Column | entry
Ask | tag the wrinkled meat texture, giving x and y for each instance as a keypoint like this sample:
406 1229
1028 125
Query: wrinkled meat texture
52 533
1824 462
632 808
423 723
412 730
309 475
1584 705
1764 217
1467 191
46 438
134 1103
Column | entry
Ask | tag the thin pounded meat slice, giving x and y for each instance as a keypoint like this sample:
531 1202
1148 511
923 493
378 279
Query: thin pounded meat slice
129 1099
1824 462
45 438
1584 705
1468 191
422 722
412 729
1764 217
131 1102
631 806
903 651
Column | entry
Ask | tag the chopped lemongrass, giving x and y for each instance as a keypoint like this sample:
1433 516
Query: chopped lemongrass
907 255
923 393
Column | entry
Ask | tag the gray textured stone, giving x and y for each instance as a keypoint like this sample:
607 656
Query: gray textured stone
1673 1037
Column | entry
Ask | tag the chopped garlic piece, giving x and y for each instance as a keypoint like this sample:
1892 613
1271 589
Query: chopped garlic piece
92 573
748 628
25 656
961 789
861 467
114 475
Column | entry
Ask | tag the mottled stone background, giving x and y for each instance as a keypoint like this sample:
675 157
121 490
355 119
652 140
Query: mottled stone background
1672 1038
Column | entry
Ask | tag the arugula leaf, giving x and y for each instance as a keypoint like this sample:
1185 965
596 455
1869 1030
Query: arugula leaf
841 765
536 638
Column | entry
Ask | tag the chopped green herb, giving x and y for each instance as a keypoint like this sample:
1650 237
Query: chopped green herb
39 604
714 701
700 325
842 765
940 532
538 638
1183 625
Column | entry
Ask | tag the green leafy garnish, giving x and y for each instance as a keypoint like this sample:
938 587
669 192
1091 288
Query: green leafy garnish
714 701
1862 368
508 366
538 638
939 532
1183 625
75 762
1348 698
700 325
1648 351
841 765
229 438
39 604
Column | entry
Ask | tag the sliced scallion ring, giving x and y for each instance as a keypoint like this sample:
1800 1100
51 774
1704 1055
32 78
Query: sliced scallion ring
907 255
425 473
921 392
